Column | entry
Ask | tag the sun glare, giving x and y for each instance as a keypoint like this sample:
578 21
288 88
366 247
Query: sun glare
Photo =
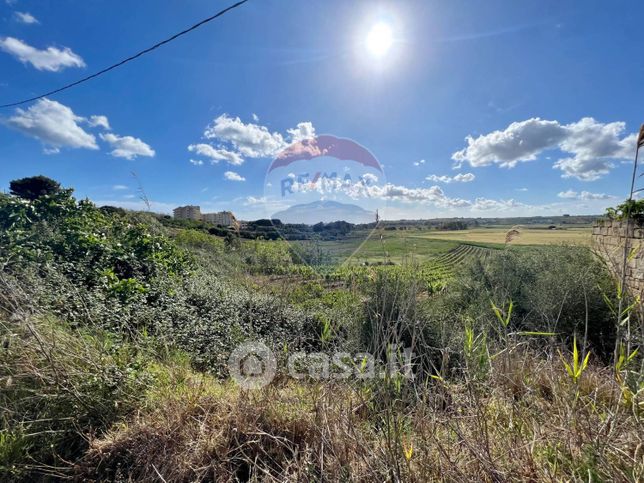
379 39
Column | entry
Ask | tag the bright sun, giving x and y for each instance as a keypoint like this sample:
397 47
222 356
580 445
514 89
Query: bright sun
379 39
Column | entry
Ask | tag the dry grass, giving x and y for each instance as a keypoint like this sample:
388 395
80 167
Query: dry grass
529 236
209 431
529 423
522 418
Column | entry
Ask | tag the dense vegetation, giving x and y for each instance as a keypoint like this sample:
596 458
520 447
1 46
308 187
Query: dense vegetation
627 209
271 229
116 328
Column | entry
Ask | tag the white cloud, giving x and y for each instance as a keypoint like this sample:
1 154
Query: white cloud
56 126
459 178
51 59
403 193
363 190
570 194
304 130
202 149
255 117
252 200
216 155
196 162
369 178
26 18
119 187
464 177
232 176
433 194
523 190
591 144
584 195
438 179
584 169
234 140
484 204
251 140
229 156
254 207
418 163
99 121
127 147
520 141
53 124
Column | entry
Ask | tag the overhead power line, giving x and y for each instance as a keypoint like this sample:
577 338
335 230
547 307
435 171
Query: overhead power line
125 61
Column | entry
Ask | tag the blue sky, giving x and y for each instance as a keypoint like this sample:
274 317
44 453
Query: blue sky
496 108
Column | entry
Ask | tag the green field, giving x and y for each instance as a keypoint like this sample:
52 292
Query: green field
398 246
394 246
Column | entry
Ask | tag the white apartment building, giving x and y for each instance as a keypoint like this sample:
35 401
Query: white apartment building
192 212
189 212
223 218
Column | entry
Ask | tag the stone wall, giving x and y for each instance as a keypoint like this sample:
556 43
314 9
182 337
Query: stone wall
609 239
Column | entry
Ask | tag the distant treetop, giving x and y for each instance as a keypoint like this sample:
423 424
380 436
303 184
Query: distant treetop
33 187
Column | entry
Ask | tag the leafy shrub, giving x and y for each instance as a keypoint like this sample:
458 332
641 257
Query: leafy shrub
553 289
199 240
208 317
629 208
83 240
266 257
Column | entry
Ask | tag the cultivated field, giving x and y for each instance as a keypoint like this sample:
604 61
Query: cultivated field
398 246
527 236
395 247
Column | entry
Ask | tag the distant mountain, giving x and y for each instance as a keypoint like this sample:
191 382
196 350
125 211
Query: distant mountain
326 212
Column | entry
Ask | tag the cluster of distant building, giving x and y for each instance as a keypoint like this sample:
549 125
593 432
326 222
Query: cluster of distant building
193 212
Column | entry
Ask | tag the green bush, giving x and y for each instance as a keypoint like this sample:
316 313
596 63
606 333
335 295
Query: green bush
199 240
629 208
266 257
553 289
117 272
208 317
83 240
